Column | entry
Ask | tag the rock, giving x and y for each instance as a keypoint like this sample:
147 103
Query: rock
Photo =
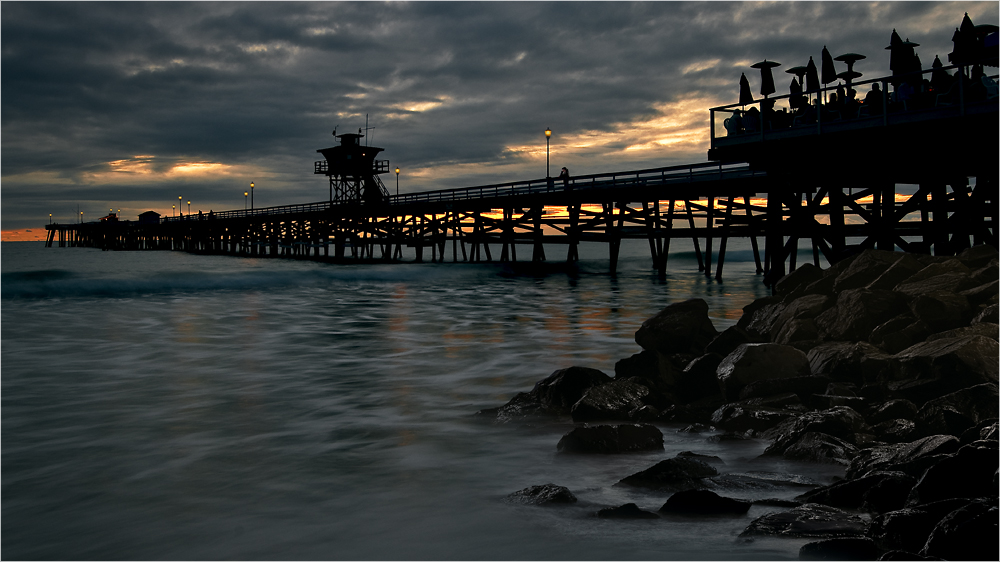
803 387
893 409
542 495
522 406
704 502
754 414
562 389
710 459
820 447
968 533
808 520
760 316
985 294
901 555
610 439
896 431
840 422
759 361
612 401
682 327
985 430
643 364
797 280
851 494
989 314
889 493
865 269
905 457
951 363
729 339
858 312
904 268
627 511
977 256
671 475
797 331
805 307
949 275
899 333
908 529
941 310
985 329
965 474
698 380
954 413
840 549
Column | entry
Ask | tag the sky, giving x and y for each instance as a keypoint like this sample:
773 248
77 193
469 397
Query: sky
131 105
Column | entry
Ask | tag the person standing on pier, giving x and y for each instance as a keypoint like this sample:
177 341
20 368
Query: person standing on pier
564 176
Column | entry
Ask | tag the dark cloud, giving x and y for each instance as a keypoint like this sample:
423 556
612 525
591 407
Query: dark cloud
451 88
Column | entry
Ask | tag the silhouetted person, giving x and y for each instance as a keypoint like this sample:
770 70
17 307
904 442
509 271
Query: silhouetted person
200 215
564 176
751 121
211 214
873 100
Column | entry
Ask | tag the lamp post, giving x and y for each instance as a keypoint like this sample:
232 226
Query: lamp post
81 217
50 218
397 181
548 133
173 210
189 208
180 205
251 196
245 200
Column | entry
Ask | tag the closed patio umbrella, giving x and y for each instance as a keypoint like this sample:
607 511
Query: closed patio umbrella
795 91
746 97
829 72
812 76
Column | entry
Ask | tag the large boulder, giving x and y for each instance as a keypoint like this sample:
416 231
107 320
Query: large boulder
851 494
797 280
698 379
954 413
761 316
682 327
845 548
848 361
672 475
542 495
562 389
968 533
803 387
977 256
866 268
627 511
904 268
912 458
615 400
814 446
949 363
704 502
756 362
609 439
809 520
858 312
907 529
756 414
966 474
941 310
841 422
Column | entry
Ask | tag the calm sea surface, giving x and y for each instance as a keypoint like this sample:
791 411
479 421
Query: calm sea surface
160 405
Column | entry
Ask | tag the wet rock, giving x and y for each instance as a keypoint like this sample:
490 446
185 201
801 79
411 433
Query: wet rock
710 459
643 364
977 256
866 268
803 387
798 331
848 361
744 415
820 447
851 493
893 555
627 511
698 380
899 333
950 275
989 314
966 474
611 439
985 329
703 502
896 431
941 310
912 458
797 280
905 267
888 494
952 363
522 406
671 475
985 294
840 422
760 316
729 339
968 533
985 430
858 312
542 495
808 520
682 327
612 401
893 409
777 502
840 549
759 361
954 413
908 529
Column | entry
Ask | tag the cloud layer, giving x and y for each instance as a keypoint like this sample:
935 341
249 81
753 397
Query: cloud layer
129 105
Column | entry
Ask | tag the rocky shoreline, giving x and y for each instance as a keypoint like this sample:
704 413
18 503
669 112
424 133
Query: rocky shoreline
885 364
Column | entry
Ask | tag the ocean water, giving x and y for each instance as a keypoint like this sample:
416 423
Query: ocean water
161 405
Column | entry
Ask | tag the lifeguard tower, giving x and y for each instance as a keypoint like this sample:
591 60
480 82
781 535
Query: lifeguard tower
353 171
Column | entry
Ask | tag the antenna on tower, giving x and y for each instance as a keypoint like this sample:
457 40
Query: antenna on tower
335 129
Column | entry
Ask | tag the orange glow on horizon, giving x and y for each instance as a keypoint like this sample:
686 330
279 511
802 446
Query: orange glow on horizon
23 235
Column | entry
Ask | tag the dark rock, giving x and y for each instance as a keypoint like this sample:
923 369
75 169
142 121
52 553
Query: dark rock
671 475
704 502
985 430
984 294
965 474
910 458
989 314
542 495
858 312
682 327
759 361
627 511
777 502
612 401
893 409
643 364
808 520
610 439
798 331
977 256
888 494
908 529
941 310
841 422
954 413
698 379
799 279
896 431
803 387
743 416
893 555
865 269
968 533
731 436
840 549
848 361
820 447
710 459
851 493
762 480
985 329
522 406
904 268
760 316
562 389
950 275
952 363
899 333
729 339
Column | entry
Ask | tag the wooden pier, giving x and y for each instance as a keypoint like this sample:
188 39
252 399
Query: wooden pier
921 178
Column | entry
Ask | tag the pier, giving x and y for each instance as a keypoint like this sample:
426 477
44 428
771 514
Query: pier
920 176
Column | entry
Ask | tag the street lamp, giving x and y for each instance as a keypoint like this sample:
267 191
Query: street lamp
50 218
548 133
245 200
397 181
189 208
251 195
173 210
180 205
81 217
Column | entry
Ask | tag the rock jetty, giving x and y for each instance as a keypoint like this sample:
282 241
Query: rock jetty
885 364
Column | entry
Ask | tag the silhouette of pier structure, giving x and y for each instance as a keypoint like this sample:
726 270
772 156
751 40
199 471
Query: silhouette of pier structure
831 179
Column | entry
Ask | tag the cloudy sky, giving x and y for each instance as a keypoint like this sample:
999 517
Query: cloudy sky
130 105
